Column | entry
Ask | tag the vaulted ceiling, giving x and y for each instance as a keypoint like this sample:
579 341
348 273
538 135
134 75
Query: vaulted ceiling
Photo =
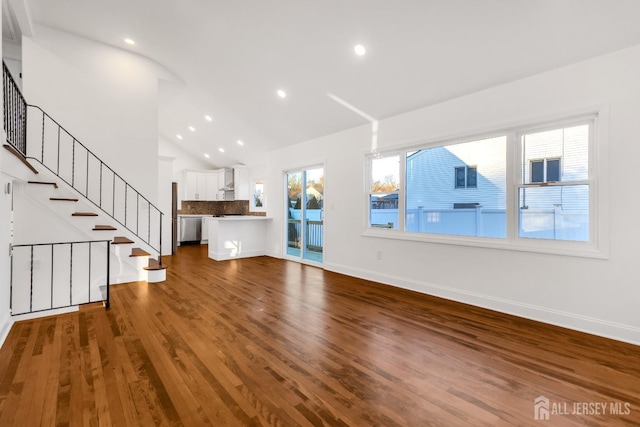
232 57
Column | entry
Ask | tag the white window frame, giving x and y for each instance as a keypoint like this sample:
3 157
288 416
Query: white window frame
595 247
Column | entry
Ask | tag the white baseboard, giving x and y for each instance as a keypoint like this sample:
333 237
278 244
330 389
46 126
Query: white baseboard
590 325
5 326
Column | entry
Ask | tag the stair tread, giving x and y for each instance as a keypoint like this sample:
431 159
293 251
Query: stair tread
104 228
20 156
84 214
119 240
63 199
55 185
138 252
154 265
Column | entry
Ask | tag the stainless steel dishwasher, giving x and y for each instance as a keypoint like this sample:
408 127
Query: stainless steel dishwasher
190 230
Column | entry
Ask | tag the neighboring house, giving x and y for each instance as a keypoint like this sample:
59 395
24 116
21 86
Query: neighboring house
464 174
461 188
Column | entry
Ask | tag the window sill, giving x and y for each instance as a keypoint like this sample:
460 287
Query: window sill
542 246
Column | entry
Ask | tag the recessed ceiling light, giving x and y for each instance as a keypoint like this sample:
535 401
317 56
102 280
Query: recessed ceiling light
281 93
240 142
208 118
206 155
221 150
179 136
129 41
359 50
192 129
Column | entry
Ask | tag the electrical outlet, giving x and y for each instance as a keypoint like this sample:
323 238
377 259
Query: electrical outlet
36 264
379 255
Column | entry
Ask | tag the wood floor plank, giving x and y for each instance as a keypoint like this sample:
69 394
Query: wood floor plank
51 353
166 378
268 342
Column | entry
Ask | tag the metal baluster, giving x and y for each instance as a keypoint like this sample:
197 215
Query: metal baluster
58 160
24 128
73 163
113 202
31 285
89 293
42 154
4 95
100 194
137 213
108 303
51 305
126 196
11 282
71 276
86 190
160 251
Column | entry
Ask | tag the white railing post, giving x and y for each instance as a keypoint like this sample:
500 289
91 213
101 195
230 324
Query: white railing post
479 229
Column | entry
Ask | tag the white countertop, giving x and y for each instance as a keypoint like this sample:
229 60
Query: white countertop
239 218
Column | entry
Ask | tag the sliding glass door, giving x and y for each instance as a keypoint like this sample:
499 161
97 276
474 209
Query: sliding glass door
305 214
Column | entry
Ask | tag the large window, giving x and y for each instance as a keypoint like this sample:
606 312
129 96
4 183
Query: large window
547 194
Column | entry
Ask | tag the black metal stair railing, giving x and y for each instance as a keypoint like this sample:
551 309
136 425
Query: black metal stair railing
15 111
62 154
48 276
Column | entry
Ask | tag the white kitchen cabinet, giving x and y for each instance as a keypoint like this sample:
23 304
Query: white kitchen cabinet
212 186
203 185
191 187
201 193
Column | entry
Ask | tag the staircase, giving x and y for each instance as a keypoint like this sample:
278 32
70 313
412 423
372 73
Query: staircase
95 224
75 194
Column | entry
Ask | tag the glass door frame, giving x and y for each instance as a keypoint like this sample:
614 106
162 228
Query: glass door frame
303 223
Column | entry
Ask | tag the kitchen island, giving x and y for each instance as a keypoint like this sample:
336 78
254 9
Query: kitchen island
240 236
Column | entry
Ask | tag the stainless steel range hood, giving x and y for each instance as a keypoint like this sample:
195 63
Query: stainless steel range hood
228 180
228 185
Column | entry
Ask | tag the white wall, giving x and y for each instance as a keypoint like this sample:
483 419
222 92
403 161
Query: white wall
183 160
106 97
165 165
601 296
5 240
5 260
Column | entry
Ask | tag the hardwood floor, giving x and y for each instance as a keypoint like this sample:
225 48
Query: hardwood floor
263 342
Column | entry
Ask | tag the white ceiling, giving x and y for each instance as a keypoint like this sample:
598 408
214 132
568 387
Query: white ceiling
233 55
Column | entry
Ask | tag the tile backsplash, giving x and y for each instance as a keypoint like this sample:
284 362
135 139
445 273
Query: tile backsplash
214 207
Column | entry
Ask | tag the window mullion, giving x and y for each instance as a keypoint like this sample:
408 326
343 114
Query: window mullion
514 175
402 192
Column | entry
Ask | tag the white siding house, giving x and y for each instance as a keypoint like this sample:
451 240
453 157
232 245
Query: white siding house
461 189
